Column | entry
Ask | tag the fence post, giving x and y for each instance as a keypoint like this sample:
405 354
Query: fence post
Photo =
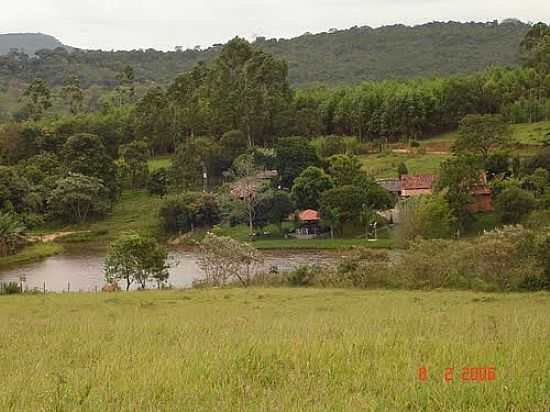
68 286
44 287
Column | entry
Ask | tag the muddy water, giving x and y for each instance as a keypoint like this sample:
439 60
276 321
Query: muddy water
81 269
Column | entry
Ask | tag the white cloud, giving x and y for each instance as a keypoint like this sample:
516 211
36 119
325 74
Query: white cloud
127 24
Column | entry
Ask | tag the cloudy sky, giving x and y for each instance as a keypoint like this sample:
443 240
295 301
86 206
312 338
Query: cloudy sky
164 24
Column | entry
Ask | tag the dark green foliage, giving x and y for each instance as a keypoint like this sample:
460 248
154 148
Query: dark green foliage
540 160
76 197
308 187
479 134
343 168
190 210
294 155
498 164
377 197
347 200
159 182
133 163
14 190
402 170
514 204
136 259
345 56
273 206
10 288
458 176
86 154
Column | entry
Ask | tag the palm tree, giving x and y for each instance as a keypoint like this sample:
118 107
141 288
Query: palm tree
11 229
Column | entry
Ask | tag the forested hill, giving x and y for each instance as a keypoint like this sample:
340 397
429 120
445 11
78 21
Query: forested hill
335 57
27 42
363 53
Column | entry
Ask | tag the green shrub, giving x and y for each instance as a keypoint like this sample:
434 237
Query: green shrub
10 288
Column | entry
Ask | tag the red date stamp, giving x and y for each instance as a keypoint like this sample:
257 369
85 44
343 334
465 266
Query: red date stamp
482 374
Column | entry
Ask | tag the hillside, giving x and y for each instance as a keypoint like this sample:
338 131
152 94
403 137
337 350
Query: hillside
27 42
335 57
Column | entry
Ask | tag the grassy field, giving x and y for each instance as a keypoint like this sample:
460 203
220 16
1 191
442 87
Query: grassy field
273 349
159 162
354 237
32 252
524 133
384 165
134 211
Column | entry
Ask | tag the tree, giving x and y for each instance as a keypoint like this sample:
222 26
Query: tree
134 157
85 154
189 166
158 182
189 210
224 259
274 206
249 91
514 204
457 178
126 89
402 169
11 229
73 94
76 196
344 168
293 156
377 198
348 200
429 217
136 258
479 134
331 217
39 95
308 187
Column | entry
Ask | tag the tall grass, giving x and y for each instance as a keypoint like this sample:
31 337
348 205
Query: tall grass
273 349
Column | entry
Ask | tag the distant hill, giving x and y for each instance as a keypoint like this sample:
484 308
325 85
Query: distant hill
27 42
335 57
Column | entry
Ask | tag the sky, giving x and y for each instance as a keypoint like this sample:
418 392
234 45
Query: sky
165 24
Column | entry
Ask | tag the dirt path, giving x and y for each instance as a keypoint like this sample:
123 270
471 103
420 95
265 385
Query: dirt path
50 237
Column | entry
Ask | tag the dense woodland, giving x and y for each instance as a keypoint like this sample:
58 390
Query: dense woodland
238 115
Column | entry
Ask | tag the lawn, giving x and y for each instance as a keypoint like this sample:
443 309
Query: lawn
273 349
384 165
159 162
354 237
523 133
32 252
134 211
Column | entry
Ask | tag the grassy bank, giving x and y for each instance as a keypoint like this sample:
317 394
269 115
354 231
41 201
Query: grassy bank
273 349
32 252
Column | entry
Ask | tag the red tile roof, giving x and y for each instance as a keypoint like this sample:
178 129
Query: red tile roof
309 215
417 182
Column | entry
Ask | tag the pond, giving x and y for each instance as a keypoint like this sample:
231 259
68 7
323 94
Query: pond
80 269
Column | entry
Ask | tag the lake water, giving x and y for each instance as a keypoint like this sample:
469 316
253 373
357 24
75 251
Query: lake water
81 269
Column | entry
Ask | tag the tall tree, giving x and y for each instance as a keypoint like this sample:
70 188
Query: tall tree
73 94
479 134
39 95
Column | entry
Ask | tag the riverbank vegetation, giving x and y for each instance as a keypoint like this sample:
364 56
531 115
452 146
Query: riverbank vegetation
32 252
274 349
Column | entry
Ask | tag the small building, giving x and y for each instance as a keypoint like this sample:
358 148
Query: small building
482 197
309 224
412 186
391 185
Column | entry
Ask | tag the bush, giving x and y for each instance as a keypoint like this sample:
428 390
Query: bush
513 204
185 212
